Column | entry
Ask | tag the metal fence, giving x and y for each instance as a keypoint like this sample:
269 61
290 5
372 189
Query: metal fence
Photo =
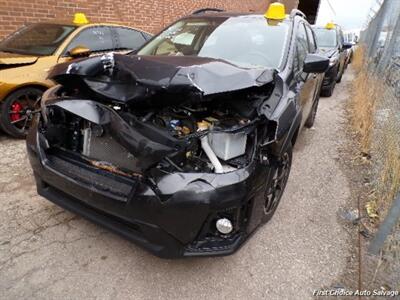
381 41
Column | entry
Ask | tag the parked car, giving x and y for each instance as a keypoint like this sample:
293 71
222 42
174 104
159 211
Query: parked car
331 43
186 147
350 38
349 57
27 55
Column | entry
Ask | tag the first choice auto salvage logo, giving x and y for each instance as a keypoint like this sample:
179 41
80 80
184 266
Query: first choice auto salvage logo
352 293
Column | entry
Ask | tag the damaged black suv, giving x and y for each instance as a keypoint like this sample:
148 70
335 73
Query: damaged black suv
186 146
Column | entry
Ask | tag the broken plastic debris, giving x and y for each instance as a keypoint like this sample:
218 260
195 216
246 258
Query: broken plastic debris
350 215
371 210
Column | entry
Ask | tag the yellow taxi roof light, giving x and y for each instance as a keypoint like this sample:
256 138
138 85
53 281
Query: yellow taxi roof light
330 25
276 11
80 19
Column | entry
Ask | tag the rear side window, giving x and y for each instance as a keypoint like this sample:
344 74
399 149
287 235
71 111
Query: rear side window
302 46
311 40
97 38
129 38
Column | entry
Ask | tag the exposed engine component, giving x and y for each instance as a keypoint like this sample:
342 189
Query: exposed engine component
228 145
200 138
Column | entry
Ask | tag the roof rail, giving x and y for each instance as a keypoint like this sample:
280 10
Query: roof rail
208 9
296 12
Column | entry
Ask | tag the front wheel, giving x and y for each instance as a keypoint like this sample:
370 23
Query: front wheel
276 182
327 92
18 109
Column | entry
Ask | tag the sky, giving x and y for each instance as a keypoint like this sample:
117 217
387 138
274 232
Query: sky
350 14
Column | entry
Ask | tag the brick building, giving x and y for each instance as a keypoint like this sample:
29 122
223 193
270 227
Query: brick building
149 15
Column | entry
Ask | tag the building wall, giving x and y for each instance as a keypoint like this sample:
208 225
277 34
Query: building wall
148 15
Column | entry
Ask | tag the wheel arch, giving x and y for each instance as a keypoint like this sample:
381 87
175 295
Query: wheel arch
289 137
38 85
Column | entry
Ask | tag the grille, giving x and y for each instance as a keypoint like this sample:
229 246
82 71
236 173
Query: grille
103 147
102 182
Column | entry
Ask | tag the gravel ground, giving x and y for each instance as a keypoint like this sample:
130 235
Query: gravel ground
48 253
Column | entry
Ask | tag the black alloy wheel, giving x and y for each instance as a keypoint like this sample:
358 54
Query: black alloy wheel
277 182
18 110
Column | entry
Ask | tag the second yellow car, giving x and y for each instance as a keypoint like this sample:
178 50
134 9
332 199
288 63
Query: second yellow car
27 56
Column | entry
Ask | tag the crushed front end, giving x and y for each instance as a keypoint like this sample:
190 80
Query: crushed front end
175 168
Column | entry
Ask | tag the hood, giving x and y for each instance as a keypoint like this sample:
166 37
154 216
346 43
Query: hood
128 78
13 59
328 52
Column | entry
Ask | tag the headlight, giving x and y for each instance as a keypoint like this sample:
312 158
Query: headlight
333 61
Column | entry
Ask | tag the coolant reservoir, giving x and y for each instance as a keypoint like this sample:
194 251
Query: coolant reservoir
228 145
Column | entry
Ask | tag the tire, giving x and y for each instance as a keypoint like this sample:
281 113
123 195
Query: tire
18 109
329 91
276 182
311 118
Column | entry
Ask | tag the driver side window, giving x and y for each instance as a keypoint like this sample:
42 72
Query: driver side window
97 39
301 47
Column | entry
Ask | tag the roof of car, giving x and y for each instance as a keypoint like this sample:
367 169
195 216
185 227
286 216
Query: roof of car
70 23
224 14
227 15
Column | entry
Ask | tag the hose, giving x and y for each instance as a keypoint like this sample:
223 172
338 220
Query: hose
211 155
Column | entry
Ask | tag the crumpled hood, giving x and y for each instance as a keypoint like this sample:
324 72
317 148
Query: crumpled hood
127 78
328 52
10 59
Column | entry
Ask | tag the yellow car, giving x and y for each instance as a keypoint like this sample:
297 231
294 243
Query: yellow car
27 56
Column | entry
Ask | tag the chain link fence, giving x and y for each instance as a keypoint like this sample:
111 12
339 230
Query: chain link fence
381 44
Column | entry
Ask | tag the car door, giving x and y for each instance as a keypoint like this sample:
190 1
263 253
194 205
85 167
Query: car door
98 39
305 82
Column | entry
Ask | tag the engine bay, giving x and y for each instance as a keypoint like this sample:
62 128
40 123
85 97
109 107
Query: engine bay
205 137
119 110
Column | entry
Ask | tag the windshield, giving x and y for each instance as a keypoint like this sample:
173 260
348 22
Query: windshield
36 39
326 38
247 41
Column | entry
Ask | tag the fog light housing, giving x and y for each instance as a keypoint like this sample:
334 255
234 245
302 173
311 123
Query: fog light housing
224 226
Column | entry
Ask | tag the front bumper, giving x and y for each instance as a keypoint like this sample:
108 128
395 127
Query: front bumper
172 216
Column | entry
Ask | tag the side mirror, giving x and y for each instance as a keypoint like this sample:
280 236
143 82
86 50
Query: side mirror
79 51
347 46
315 63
